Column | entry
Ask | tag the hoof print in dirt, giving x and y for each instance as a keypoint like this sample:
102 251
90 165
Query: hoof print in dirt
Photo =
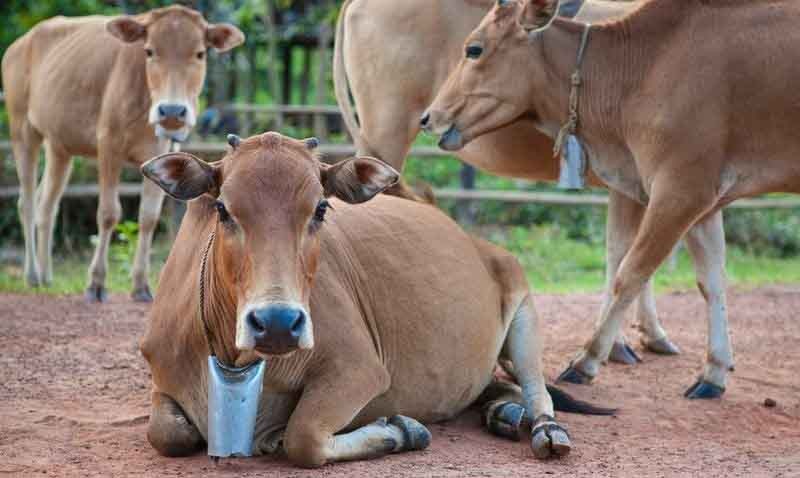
415 435
624 354
95 294
662 347
142 295
704 390
504 419
573 375
549 439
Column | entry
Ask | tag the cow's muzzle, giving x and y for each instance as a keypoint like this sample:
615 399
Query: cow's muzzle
279 329
172 116
450 138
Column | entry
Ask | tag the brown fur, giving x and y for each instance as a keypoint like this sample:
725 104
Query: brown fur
392 86
85 86
380 305
686 106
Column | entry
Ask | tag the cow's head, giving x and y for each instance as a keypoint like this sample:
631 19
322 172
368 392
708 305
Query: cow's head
173 42
271 198
491 86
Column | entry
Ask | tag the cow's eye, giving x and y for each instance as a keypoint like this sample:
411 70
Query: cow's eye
222 211
200 55
322 208
148 52
474 51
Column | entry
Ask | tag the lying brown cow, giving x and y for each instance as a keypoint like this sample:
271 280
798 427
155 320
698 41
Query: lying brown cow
684 107
409 313
391 87
114 88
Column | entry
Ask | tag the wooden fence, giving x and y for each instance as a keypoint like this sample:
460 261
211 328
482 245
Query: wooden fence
343 150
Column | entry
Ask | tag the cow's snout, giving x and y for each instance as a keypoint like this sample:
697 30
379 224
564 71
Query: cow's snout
172 115
278 329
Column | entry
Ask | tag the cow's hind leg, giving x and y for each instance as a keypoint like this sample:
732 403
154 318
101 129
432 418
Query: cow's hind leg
26 142
524 347
169 431
56 175
502 410
706 243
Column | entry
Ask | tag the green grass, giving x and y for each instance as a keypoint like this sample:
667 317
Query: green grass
554 264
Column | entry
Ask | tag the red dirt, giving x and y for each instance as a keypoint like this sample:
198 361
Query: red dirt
74 400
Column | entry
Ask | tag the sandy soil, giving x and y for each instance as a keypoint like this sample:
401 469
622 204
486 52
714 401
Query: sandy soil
74 400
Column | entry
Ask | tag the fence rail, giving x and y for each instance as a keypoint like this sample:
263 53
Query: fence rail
560 199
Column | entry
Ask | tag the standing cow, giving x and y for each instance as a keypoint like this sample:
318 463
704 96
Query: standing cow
386 309
117 89
392 86
684 106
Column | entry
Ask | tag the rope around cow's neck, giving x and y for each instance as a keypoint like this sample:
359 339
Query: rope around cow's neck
571 126
204 261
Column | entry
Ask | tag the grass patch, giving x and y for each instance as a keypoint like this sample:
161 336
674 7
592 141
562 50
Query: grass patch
554 264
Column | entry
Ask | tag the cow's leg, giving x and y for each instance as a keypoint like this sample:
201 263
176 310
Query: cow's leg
25 142
109 211
666 219
56 175
310 438
149 213
169 431
706 243
624 218
524 346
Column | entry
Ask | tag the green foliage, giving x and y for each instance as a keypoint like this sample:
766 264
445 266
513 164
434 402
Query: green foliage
123 250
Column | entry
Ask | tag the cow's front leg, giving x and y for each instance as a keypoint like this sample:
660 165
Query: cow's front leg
169 431
666 219
706 243
311 439
149 213
109 211
624 218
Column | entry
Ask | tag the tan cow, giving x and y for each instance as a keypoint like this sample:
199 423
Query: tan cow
391 87
685 106
113 88
356 319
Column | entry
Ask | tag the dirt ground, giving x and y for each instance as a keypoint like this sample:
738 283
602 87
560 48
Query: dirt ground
74 400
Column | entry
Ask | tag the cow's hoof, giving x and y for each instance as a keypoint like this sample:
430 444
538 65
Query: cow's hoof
623 353
142 295
703 389
661 346
415 435
504 419
549 439
95 294
573 375
32 279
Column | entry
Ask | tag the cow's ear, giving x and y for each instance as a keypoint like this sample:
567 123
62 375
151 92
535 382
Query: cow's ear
182 175
223 36
357 180
126 29
538 13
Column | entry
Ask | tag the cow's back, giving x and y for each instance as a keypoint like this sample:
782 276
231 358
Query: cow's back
57 75
424 287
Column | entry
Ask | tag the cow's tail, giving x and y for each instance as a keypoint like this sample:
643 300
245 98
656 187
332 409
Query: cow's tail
564 402
340 84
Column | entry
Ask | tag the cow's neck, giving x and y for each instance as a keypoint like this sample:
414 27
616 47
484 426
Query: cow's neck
219 303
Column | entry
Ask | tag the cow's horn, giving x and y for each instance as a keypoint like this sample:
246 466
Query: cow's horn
312 143
234 141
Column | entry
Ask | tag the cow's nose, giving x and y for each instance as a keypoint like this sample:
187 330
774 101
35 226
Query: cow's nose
277 328
172 111
425 120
